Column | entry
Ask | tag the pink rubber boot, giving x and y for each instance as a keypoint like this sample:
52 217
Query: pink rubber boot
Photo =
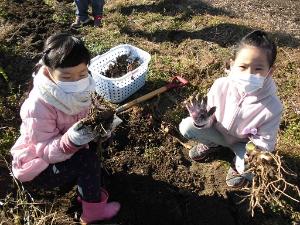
92 212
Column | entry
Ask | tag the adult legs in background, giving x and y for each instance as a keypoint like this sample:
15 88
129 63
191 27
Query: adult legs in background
97 7
97 10
82 16
82 9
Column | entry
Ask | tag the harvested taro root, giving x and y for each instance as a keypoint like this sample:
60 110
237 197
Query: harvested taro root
122 65
271 180
100 116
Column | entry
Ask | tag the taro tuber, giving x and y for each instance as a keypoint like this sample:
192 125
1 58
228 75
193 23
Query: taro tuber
100 116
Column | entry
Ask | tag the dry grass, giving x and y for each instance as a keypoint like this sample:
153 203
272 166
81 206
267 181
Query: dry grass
22 208
6 30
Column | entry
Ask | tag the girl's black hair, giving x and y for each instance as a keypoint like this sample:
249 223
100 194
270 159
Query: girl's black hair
259 39
64 50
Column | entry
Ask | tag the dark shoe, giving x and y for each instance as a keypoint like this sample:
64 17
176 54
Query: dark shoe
234 179
200 151
97 21
78 23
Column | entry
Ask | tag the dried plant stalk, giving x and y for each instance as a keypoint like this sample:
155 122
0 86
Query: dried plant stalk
270 184
24 209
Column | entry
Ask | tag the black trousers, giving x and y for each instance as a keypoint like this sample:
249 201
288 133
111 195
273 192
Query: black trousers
83 169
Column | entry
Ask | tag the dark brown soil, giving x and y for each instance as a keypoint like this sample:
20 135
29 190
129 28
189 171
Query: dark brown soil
32 22
122 65
160 185
148 171
5 179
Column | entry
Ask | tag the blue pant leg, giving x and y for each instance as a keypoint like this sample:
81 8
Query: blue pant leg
97 7
82 9
239 150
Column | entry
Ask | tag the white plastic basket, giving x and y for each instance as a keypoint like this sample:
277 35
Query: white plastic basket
118 89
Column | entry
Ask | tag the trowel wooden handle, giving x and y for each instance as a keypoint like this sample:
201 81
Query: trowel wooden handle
141 99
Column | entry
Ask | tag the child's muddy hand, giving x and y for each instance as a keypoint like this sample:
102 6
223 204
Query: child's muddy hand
79 134
197 107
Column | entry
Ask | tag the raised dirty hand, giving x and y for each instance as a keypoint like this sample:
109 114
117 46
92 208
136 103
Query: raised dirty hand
197 107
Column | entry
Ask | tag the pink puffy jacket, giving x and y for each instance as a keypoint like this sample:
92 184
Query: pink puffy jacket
42 141
240 117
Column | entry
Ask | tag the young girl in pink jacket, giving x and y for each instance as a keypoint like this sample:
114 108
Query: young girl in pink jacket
239 107
53 149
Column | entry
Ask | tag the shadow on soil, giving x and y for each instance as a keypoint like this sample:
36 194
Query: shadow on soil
17 71
183 10
148 201
15 80
225 35
6 182
293 164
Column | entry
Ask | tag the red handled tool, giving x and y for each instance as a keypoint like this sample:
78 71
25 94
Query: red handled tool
176 82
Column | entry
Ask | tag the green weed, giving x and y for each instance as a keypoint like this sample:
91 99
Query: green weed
3 74
63 12
292 133
7 138
151 153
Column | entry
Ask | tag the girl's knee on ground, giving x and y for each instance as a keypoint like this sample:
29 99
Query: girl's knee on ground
186 127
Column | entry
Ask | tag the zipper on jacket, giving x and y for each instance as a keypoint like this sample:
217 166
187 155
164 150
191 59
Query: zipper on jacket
236 111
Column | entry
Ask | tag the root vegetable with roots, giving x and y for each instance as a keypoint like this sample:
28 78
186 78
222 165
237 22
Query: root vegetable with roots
102 120
270 179
100 116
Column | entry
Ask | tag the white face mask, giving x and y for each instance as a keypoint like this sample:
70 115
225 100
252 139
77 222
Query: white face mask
74 86
247 83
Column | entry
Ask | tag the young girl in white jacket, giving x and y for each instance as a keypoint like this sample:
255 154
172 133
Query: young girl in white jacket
239 107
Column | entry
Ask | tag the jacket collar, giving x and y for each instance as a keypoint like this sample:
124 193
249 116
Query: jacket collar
69 103
268 89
